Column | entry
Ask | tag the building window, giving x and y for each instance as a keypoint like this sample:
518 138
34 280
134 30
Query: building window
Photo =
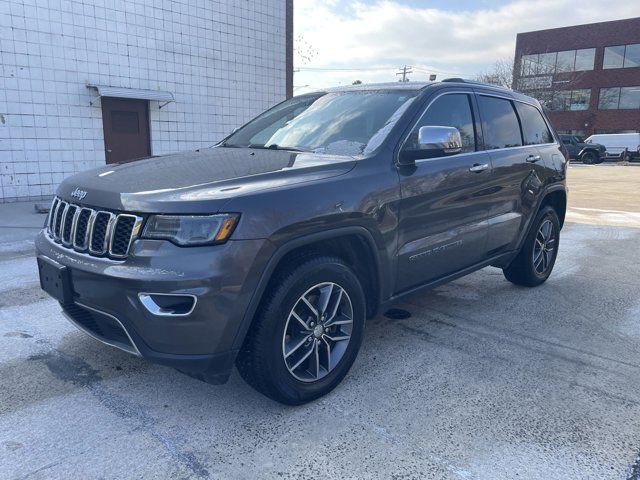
585 59
557 62
613 57
625 98
622 56
629 97
571 100
566 61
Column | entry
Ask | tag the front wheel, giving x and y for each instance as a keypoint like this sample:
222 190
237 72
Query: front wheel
307 332
589 158
534 263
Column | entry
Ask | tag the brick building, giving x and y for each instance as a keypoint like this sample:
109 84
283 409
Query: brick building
84 82
588 76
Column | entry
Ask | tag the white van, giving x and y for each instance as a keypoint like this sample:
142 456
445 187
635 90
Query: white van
617 142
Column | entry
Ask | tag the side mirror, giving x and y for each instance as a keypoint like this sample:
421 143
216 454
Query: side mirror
433 141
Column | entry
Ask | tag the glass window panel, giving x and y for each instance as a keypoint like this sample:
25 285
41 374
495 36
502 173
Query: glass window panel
630 97
613 57
609 98
584 59
500 123
534 128
566 61
632 56
452 110
547 63
561 101
529 65
580 99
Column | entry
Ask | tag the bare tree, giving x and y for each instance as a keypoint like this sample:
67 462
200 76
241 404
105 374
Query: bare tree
501 73
357 82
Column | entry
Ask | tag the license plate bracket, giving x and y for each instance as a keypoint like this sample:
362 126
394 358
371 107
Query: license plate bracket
55 279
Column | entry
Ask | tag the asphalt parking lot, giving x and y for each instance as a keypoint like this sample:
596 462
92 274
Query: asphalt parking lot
485 380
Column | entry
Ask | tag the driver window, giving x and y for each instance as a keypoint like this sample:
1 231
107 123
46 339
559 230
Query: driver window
451 110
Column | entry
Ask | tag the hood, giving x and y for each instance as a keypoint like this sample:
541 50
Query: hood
197 181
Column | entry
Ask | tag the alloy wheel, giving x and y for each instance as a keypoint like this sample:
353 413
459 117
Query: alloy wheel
317 332
544 246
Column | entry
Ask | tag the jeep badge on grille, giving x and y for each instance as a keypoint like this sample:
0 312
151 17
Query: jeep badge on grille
79 194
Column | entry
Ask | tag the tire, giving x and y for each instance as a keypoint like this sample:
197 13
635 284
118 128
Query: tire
589 158
272 359
528 269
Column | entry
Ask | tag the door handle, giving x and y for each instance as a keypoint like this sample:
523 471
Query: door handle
108 150
533 158
479 167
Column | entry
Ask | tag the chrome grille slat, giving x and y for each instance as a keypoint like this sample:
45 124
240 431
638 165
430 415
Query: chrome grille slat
97 232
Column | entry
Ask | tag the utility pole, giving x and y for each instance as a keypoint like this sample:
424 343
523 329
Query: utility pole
404 71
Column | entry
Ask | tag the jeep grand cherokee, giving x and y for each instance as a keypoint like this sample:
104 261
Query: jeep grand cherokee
270 249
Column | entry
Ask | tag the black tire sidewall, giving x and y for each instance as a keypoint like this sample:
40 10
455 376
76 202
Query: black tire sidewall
588 158
302 280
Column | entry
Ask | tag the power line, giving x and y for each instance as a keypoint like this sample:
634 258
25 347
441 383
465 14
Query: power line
404 71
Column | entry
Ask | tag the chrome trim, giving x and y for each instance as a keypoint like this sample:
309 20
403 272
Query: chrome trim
134 234
134 350
84 245
64 224
154 309
105 241
52 209
55 223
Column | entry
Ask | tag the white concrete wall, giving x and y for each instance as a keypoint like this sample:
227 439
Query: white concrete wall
223 60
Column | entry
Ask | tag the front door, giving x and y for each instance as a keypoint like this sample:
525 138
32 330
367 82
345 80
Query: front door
443 215
126 129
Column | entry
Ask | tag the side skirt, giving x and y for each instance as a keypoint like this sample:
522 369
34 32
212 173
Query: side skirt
499 261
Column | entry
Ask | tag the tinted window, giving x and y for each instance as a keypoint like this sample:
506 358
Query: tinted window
534 128
499 123
448 111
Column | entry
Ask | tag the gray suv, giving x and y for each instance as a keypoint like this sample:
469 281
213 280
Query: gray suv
270 249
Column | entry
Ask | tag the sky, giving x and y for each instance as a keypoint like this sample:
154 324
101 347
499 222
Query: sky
339 41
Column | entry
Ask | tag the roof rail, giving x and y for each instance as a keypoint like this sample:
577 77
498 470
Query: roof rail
474 82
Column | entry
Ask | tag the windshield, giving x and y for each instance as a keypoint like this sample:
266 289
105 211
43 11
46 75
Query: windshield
347 123
579 139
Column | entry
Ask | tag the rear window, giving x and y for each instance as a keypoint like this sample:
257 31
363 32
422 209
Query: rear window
534 128
499 123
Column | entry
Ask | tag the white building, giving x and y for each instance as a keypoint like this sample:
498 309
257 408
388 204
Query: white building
84 82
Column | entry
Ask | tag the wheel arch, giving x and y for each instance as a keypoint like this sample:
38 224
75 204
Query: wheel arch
355 245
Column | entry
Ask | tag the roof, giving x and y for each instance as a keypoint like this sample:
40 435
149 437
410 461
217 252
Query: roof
378 86
404 86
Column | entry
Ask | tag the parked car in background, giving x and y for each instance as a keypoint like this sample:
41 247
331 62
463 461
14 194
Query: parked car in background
625 146
580 150
272 248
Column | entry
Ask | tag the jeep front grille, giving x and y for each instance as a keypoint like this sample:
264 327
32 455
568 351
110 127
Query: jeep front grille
97 232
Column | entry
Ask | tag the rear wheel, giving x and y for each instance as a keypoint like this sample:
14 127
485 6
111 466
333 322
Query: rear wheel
307 332
536 258
589 158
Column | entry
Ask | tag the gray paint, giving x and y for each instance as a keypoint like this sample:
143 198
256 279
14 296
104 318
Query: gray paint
425 224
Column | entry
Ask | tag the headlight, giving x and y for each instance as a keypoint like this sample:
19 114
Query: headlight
191 230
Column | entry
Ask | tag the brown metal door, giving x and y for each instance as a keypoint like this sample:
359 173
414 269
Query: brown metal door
126 129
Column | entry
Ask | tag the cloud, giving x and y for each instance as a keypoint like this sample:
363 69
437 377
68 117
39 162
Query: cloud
375 38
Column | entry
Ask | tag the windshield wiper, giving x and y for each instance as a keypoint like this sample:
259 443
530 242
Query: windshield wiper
273 146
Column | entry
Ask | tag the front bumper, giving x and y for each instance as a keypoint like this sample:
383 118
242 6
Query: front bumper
106 294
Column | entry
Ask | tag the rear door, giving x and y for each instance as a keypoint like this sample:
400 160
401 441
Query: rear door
443 215
516 179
